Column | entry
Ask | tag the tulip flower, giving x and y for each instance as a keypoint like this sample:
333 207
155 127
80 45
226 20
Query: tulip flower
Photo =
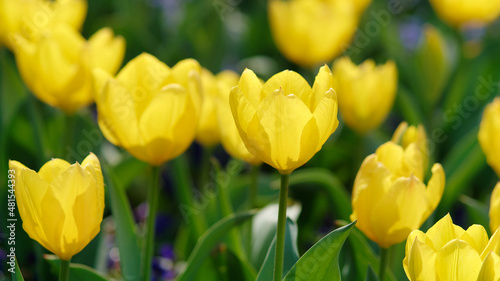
448 252
62 205
57 67
489 134
495 209
366 92
460 12
284 122
390 198
311 32
405 135
149 109
28 18
208 131
230 137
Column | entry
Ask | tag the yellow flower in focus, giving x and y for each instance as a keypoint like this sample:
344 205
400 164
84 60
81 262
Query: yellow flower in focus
448 252
389 198
230 137
28 18
366 92
62 205
459 12
208 131
57 67
149 109
284 122
489 134
495 209
405 135
310 32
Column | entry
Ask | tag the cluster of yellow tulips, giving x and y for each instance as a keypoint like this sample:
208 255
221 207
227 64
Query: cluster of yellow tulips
155 112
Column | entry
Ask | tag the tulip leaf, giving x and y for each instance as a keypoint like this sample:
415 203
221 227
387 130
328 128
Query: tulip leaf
329 182
17 274
320 262
476 210
264 230
77 272
371 275
128 245
291 253
209 240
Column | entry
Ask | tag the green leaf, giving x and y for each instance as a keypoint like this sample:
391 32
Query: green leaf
477 211
371 275
321 261
325 179
264 230
128 245
209 240
17 274
291 253
77 272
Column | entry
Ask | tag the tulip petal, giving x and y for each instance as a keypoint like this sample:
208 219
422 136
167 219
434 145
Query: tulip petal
490 270
290 83
421 262
493 245
435 188
458 261
391 155
242 109
326 115
322 84
106 51
52 169
92 165
495 208
476 236
251 88
442 232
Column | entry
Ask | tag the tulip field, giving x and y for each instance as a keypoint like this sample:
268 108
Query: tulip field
265 140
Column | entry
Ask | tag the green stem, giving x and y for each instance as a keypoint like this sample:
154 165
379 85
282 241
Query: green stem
205 166
64 270
36 124
148 250
281 227
384 259
69 131
254 185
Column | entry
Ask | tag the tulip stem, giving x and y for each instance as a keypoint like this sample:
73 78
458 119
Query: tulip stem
384 258
281 228
254 185
64 270
148 250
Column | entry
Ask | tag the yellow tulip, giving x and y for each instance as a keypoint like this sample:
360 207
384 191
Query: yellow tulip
489 134
149 109
29 18
366 92
62 205
310 32
284 122
208 131
459 12
405 135
448 252
230 137
495 209
389 198
57 67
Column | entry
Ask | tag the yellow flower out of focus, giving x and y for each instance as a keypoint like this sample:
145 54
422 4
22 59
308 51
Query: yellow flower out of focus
28 18
405 135
389 198
62 205
57 67
495 209
459 12
489 134
230 137
311 32
366 92
448 252
208 131
284 122
150 109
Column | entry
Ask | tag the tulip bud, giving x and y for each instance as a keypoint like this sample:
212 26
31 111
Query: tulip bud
230 137
460 12
284 122
57 67
405 135
149 109
448 252
28 18
62 205
366 92
495 209
489 134
208 131
311 32
389 197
